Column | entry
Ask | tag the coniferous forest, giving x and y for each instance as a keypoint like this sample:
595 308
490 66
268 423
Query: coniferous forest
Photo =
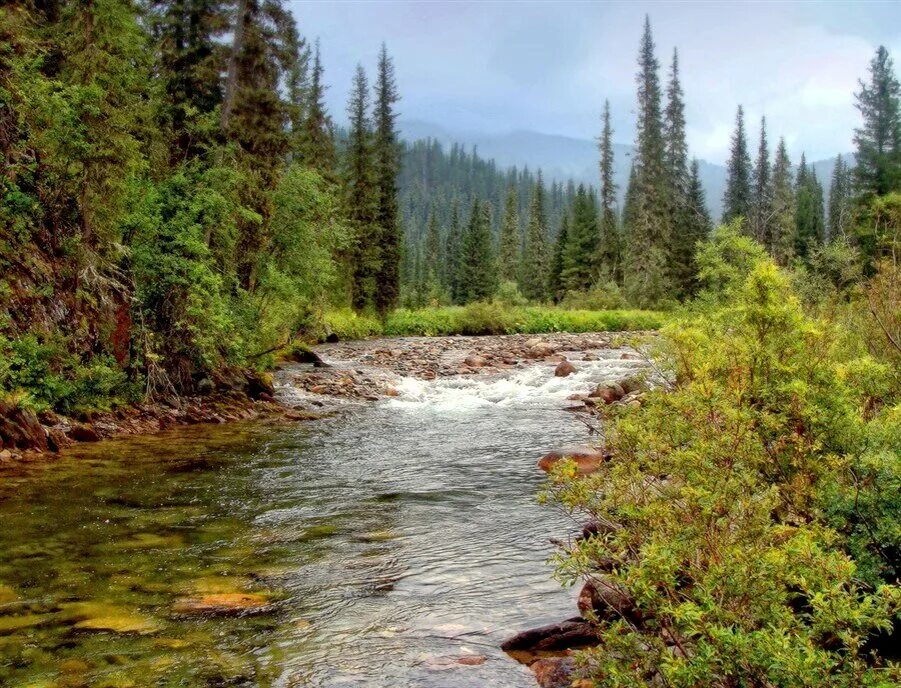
180 209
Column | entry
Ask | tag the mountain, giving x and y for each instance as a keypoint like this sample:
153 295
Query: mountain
564 158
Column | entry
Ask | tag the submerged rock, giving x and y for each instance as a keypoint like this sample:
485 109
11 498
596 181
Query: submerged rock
223 604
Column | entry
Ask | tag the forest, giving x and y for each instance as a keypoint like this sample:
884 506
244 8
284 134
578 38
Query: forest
179 203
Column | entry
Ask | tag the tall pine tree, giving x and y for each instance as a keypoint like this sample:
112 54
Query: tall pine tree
579 255
781 237
839 200
737 198
760 212
809 216
556 287
878 141
536 261
359 184
387 166
609 264
509 258
646 271
316 144
478 269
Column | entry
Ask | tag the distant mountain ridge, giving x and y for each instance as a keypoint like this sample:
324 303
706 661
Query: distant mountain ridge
564 158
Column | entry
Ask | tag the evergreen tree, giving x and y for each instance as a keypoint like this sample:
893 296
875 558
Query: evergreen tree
359 184
781 237
682 215
257 121
536 261
434 251
188 34
387 167
579 256
878 141
478 269
839 200
609 244
762 203
453 248
316 145
510 240
696 227
809 216
737 200
646 273
556 288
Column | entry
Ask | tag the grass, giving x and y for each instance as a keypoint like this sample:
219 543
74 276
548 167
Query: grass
488 318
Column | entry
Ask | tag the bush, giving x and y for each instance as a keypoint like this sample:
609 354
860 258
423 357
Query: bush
747 502
598 298
346 324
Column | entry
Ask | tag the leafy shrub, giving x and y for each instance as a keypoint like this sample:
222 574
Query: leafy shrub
346 324
508 294
747 502
598 298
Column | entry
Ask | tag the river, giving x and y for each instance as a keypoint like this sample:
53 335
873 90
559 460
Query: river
387 541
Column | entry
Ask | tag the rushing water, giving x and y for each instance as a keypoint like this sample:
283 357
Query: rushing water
388 541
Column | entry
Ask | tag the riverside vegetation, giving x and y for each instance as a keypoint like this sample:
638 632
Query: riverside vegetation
178 207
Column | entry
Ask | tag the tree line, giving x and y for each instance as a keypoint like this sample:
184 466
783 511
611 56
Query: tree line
643 253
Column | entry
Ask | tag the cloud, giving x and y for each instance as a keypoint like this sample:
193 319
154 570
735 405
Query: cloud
548 66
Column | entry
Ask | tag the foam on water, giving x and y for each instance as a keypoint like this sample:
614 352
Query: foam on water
535 385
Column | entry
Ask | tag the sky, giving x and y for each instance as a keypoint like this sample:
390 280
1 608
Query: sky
496 67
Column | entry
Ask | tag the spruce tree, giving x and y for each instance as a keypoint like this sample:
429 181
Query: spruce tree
646 272
737 198
582 244
809 216
316 144
257 122
684 223
510 240
536 260
556 288
839 200
478 269
453 251
696 228
762 203
609 244
434 251
387 167
359 183
878 141
781 238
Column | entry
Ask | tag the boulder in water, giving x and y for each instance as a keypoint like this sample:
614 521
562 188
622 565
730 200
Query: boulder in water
475 361
587 459
564 369
575 632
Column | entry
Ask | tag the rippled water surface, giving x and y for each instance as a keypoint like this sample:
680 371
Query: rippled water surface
385 542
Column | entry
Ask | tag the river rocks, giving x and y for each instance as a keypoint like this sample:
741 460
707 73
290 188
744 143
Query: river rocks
587 459
575 632
554 672
602 598
471 660
608 392
223 604
83 433
475 361
20 428
564 369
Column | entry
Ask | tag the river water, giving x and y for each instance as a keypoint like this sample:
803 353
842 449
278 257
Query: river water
387 541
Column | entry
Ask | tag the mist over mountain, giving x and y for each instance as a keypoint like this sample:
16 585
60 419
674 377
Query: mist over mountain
564 158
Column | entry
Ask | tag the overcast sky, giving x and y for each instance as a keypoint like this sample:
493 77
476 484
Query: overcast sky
547 66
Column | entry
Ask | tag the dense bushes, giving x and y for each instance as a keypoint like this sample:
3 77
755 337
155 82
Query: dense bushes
753 507
484 318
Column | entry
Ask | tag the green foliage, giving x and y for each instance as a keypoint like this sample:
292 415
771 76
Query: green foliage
748 498
738 197
347 324
49 376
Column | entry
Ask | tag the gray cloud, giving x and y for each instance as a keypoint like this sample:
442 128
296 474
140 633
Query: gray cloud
547 66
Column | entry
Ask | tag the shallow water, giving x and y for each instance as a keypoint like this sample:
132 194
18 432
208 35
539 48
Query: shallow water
388 541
